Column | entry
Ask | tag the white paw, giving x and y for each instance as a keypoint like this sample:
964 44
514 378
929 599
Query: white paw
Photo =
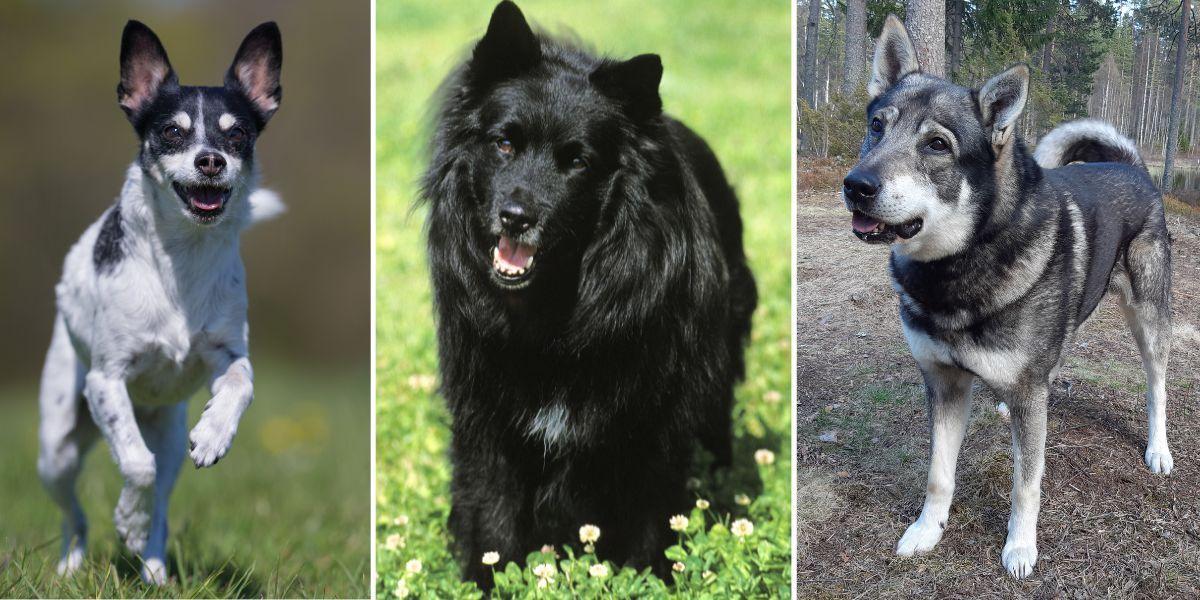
921 537
1019 559
1159 460
70 562
132 516
211 439
154 572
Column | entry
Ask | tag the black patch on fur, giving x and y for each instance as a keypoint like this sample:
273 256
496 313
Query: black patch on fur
632 322
108 251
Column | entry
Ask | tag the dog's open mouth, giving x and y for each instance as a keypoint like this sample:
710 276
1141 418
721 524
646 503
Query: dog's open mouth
512 262
205 202
873 231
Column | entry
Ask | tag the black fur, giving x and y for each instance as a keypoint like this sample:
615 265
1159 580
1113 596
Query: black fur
108 251
632 321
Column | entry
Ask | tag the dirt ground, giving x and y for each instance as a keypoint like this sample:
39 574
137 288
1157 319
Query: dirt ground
1108 527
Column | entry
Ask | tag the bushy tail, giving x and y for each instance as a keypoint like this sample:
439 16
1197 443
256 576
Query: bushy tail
1086 140
264 206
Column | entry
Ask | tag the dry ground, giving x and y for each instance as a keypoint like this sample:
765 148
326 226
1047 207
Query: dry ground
1108 527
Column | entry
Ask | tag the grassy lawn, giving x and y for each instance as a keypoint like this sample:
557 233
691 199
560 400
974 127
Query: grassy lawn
285 514
727 76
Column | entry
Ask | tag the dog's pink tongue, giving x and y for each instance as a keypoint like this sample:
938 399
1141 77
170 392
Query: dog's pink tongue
206 198
863 224
514 255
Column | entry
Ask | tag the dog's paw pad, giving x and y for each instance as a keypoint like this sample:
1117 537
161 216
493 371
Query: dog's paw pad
70 563
1159 461
920 537
1019 560
154 572
210 442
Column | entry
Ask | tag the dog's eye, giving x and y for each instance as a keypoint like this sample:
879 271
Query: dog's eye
938 145
172 133
237 134
579 163
876 125
505 146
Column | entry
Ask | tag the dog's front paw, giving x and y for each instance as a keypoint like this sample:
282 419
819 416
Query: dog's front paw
921 537
1019 559
154 572
211 439
1159 460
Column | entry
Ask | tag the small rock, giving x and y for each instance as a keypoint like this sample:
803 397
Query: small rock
829 437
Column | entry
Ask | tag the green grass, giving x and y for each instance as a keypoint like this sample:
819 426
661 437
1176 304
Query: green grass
727 76
285 514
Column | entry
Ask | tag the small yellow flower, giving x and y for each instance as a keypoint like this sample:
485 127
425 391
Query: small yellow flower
679 523
491 558
413 566
741 499
545 571
702 504
402 590
764 457
393 541
598 570
589 534
742 528
678 567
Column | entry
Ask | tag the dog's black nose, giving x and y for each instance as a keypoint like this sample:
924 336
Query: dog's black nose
516 219
860 184
210 163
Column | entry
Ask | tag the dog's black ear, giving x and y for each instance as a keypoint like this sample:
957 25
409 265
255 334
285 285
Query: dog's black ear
255 70
509 47
1001 101
895 57
633 83
145 69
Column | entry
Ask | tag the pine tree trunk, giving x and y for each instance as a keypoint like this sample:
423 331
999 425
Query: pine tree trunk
810 52
926 21
856 31
955 13
1176 90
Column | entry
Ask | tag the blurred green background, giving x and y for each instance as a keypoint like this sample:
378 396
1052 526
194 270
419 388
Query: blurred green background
727 75
287 513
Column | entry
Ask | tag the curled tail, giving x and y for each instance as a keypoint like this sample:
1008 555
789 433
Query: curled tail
1086 140
264 206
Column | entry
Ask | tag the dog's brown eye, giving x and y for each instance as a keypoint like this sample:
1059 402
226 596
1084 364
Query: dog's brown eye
236 134
876 125
579 163
505 146
938 145
172 133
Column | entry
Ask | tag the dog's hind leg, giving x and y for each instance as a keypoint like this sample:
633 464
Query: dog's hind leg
948 391
65 434
1028 413
1144 296
113 412
165 431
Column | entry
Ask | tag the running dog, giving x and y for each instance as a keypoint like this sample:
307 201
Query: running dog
998 257
152 301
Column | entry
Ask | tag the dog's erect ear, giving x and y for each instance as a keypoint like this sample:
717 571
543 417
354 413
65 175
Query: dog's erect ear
895 57
509 47
1001 101
145 69
255 70
632 83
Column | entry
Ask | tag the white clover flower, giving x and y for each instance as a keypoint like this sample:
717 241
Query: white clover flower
402 590
772 397
545 571
400 521
392 542
589 534
678 567
589 548
598 570
549 549
679 523
413 566
742 528
491 558
543 584
764 457
702 504
423 382
741 499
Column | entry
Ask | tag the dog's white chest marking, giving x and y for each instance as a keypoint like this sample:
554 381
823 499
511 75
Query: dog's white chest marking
997 367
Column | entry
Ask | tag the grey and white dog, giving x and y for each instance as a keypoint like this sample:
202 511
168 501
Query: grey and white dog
999 256
152 300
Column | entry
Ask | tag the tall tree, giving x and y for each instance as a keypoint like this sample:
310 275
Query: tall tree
1185 21
955 14
926 21
856 53
810 52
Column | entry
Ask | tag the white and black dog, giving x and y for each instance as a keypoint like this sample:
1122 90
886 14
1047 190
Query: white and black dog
152 301
999 256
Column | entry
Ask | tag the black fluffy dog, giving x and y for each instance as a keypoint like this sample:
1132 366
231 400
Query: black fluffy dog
592 297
